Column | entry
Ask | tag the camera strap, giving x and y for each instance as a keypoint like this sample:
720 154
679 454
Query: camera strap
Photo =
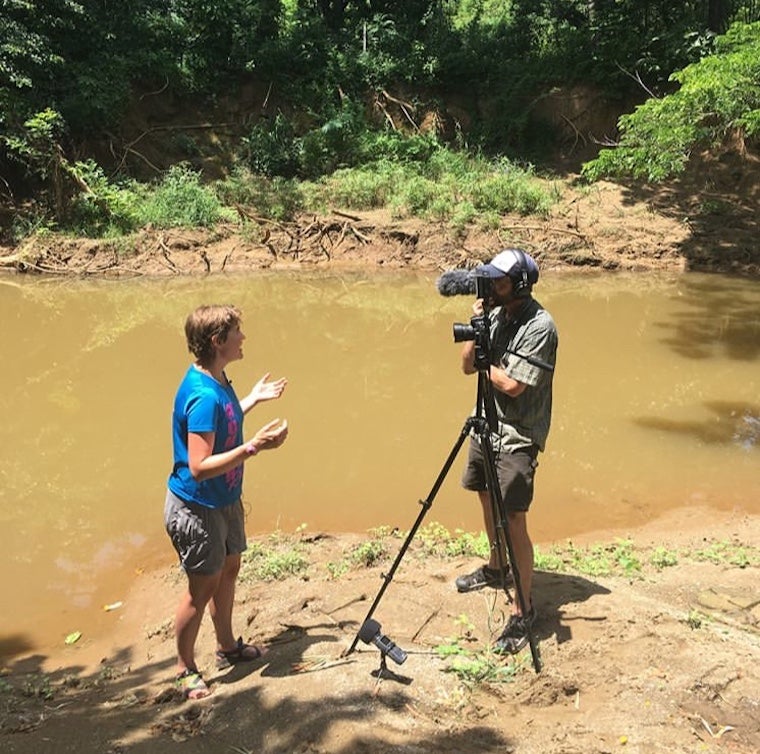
506 327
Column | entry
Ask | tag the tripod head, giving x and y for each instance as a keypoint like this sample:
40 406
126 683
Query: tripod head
479 331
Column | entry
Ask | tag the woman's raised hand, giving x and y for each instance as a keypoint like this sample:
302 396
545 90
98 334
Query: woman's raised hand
264 390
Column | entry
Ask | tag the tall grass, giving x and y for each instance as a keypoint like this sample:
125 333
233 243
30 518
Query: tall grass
438 184
447 186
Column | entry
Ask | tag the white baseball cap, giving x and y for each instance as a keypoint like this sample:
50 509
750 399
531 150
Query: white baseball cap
512 262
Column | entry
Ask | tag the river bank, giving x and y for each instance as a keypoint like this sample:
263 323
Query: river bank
663 656
705 221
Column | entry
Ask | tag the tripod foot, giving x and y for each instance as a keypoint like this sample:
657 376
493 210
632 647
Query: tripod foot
384 674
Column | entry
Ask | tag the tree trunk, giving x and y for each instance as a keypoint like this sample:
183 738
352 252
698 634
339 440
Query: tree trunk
718 13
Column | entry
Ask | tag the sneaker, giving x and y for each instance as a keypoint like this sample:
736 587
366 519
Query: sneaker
515 634
483 576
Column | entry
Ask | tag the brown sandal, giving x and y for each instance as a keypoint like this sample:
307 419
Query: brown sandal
241 653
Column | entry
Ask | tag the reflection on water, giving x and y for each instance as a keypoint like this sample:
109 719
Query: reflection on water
728 423
715 316
657 406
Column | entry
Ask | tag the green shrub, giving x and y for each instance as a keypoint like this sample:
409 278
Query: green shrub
359 188
181 200
272 149
106 209
276 198
718 96
449 186
504 193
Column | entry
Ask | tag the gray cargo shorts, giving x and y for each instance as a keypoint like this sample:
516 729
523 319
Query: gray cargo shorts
515 471
204 537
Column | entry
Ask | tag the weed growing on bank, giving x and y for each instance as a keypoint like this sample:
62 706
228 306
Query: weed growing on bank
281 555
623 558
724 552
474 666
695 620
435 539
363 555
275 558
618 557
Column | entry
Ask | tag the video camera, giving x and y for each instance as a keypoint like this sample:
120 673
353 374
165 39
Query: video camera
479 328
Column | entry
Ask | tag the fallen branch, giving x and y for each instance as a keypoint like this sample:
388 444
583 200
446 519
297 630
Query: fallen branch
165 253
205 259
117 268
341 236
424 624
158 91
12 261
548 230
129 150
324 250
346 215
403 106
578 135
187 127
245 214
637 79
265 103
45 269
386 114
359 235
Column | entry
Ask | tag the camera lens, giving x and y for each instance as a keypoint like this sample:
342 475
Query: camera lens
463 332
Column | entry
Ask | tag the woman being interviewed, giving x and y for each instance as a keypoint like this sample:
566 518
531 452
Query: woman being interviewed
203 512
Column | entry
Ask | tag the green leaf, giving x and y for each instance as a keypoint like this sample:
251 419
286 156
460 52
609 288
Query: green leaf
73 637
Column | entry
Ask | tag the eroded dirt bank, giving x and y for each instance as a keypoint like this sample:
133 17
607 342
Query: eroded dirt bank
708 221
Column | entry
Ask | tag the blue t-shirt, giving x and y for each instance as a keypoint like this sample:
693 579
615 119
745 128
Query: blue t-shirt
203 405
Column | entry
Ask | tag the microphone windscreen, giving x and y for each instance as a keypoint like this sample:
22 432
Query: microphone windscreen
456 283
369 630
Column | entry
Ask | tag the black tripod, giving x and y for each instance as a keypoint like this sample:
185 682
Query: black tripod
481 424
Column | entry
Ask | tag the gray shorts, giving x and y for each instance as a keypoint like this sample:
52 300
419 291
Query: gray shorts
515 472
204 537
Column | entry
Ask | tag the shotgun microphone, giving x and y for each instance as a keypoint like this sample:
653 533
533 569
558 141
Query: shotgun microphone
456 283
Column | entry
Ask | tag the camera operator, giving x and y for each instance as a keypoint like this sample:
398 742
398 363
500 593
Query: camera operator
523 397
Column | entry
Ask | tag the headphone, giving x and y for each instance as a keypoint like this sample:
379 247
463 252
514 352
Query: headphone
521 284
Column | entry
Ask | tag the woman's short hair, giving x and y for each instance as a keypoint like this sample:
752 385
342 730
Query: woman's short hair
205 323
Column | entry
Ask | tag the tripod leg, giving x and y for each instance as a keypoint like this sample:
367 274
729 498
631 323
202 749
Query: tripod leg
426 504
504 539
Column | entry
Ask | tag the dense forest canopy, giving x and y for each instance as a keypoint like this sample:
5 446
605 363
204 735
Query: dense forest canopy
70 70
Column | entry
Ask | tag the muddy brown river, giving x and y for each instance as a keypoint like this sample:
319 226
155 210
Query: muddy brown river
657 407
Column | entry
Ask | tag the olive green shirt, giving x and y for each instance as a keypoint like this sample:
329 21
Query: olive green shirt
524 420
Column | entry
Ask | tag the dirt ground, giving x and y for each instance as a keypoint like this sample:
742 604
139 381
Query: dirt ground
665 662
